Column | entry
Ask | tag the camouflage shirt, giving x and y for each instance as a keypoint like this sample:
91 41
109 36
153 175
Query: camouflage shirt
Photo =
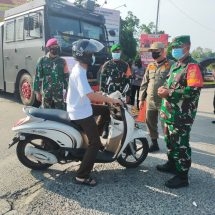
185 82
115 75
51 76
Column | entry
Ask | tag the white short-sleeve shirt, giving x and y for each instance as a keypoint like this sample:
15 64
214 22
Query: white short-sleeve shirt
78 104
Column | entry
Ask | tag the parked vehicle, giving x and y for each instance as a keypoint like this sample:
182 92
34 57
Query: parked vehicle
46 137
209 76
25 31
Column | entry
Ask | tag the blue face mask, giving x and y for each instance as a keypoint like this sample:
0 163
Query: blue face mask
178 53
116 55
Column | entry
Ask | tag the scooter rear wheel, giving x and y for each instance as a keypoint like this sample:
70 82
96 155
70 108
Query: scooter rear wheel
38 142
131 158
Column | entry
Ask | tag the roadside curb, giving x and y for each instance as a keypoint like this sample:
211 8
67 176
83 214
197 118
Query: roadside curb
209 86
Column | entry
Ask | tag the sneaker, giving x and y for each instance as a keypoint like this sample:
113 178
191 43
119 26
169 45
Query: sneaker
177 182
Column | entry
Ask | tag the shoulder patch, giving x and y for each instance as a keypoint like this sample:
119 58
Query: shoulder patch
151 67
194 76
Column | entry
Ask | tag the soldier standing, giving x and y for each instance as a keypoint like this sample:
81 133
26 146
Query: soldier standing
115 75
51 77
155 76
179 106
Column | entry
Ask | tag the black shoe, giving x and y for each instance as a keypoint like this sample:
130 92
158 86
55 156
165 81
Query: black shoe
154 146
168 167
177 182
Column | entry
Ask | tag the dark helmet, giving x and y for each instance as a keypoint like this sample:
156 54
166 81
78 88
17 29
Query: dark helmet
84 49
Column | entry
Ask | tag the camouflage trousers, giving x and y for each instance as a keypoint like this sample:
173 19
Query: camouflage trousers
54 103
177 140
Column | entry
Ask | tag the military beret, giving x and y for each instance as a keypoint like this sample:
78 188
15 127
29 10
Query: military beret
181 40
115 47
51 42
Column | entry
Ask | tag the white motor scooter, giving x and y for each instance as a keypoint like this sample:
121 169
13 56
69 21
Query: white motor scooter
47 136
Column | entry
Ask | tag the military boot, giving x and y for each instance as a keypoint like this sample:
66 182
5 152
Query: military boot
154 146
168 167
180 180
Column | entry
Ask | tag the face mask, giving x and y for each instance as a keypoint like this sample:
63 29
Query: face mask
116 55
178 53
156 55
55 51
93 60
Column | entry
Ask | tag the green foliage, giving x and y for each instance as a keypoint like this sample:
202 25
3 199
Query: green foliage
149 29
79 3
200 54
128 43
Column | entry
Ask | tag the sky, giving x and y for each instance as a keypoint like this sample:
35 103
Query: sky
176 17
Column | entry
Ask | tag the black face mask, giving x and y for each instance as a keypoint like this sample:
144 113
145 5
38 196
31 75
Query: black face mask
156 55
55 51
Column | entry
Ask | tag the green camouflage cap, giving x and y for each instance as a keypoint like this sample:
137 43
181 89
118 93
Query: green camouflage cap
115 47
181 40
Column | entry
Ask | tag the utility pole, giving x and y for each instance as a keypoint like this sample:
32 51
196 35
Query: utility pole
156 26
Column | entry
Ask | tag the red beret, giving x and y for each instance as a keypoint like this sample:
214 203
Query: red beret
51 42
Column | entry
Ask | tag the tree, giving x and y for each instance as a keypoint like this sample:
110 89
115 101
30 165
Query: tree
79 3
128 29
200 54
149 29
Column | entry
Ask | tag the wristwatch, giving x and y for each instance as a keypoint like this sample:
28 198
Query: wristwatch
171 92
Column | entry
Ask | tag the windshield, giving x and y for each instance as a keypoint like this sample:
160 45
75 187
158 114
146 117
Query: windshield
67 30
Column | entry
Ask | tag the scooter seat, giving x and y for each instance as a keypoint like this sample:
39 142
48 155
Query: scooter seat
53 115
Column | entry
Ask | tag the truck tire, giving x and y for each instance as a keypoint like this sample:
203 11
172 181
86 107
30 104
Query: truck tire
25 90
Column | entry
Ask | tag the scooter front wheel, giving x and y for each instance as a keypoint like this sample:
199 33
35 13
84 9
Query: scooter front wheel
134 154
37 142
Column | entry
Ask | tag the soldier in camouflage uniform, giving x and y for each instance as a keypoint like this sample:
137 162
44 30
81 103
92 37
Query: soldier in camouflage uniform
179 106
115 75
155 76
51 78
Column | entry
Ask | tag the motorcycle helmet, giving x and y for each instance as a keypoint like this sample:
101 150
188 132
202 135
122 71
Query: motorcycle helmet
84 49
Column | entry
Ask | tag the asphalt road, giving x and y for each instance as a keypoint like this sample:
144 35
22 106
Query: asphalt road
120 191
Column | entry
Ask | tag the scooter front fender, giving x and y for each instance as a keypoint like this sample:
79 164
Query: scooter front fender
137 133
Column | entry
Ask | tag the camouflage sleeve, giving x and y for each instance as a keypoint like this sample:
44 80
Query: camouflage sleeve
193 86
144 85
186 92
103 78
38 76
66 75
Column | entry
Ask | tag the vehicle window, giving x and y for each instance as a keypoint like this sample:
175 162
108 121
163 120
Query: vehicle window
92 31
20 29
65 30
34 26
10 31
59 25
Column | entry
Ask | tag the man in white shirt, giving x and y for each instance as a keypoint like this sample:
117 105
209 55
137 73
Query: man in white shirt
79 106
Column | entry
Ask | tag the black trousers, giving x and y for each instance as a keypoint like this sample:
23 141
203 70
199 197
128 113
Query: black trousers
135 89
93 130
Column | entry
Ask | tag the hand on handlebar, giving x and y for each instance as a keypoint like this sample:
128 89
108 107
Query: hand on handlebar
115 102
